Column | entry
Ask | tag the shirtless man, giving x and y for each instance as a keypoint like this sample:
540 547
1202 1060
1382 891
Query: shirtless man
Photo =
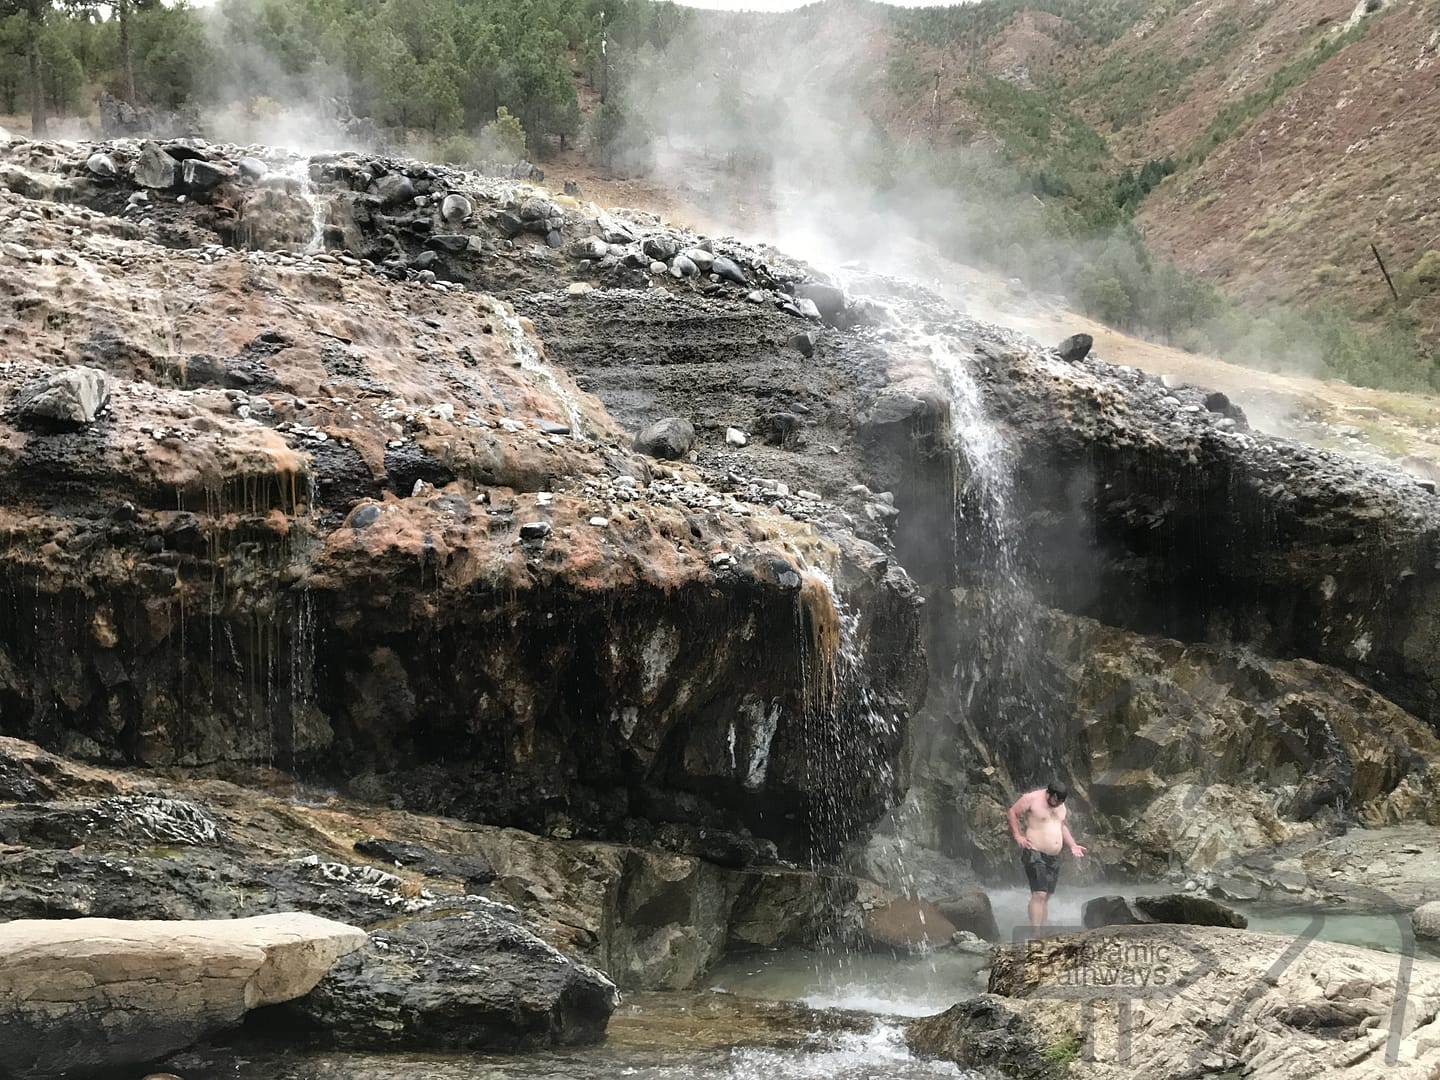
1041 836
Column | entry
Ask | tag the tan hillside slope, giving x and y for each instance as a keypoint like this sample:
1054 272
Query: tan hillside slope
1285 210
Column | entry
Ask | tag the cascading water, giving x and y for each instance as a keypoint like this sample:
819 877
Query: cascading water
299 171
524 350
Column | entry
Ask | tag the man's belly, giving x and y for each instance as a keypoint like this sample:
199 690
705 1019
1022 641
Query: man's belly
1045 836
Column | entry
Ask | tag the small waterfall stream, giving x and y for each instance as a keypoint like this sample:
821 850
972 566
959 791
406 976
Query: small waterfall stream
524 350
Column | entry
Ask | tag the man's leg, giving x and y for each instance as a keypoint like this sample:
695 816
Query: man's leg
1039 903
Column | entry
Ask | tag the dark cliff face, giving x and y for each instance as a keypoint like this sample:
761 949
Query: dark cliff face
335 518
1143 509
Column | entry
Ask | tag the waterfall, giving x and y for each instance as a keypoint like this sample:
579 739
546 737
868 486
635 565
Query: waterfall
299 171
524 350
841 709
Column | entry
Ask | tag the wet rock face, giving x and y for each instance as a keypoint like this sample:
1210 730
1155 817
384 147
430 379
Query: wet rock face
461 711
392 546
1153 509
1193 755
983 1033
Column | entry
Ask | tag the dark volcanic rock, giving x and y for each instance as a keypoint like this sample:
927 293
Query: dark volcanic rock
982 1033
1188 910
671 438
474 870
1110 911
1075 348
474 981
828 300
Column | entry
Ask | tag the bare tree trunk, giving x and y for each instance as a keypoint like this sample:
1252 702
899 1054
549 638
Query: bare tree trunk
122 11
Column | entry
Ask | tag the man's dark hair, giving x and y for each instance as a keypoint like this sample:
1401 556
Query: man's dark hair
1058 789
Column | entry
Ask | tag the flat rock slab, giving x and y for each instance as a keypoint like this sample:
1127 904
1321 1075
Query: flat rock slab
1164 1001
80 994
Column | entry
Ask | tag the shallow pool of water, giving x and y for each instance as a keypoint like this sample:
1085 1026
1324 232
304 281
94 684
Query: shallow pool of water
878 983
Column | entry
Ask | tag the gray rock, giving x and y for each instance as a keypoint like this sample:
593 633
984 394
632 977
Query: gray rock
477 980
474 870
803 343
451 243
393 188
590 247
983 1033
807 308
681 267
1426 921
671 438
537 209
455 208
1075 348
971 912
614 230
661 248
101 165
702 259
1189 911
202 175
251 169
154 168
735 437
534 530
1109 911
828 300
509 223
728 270
73 396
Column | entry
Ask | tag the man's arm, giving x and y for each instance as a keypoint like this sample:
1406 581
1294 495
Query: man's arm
1075 849
1015 814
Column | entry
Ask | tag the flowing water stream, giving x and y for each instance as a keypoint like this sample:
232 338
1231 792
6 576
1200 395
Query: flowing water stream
780 1016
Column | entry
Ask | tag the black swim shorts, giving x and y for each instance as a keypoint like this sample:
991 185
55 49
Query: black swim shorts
1043 870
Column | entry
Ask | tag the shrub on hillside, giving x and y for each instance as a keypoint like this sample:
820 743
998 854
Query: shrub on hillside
502 139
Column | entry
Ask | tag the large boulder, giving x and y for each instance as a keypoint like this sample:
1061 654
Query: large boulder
201 175
906 925
970 911
73 396
154 168
1189 910
85 994
1109 911
828 299
983 1033
477 980
671 438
